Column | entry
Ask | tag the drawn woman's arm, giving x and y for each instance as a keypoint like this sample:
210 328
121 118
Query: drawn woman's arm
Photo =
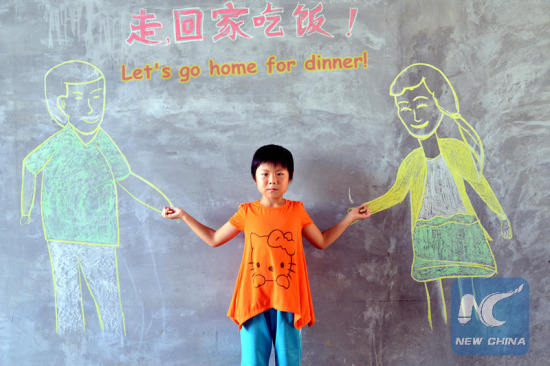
469 171
506 229
483 189
397 193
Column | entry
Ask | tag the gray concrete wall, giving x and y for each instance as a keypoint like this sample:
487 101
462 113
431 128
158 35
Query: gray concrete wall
194 142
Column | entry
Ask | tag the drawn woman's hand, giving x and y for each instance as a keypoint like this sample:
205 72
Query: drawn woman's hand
506 229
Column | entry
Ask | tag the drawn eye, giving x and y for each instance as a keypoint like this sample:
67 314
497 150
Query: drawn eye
423 105
258 264
405 109
282 264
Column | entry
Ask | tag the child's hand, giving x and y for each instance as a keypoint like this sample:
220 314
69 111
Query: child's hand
172 213
359 213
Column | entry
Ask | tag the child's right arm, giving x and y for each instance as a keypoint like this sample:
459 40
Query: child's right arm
212 237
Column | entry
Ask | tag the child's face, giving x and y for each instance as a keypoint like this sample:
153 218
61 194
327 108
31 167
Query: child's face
84 105
272 182
419 112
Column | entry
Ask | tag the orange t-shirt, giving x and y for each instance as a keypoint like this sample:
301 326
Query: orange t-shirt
273 272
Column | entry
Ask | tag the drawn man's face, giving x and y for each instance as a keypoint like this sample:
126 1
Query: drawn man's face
84 105
419 112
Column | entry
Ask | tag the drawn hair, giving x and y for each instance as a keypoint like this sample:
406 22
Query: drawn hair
273 154
445 98
57 77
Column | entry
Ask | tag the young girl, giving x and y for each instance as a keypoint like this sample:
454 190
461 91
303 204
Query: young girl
447 237
272 300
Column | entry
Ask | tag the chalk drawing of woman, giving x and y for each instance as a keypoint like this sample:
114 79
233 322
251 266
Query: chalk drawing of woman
448 239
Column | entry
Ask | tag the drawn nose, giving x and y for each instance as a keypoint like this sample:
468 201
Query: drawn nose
90 107
415 119
270 268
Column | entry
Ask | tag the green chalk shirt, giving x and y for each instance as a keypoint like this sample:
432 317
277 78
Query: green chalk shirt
79 193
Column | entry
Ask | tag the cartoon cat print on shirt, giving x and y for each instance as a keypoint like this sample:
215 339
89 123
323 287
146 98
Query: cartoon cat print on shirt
272 258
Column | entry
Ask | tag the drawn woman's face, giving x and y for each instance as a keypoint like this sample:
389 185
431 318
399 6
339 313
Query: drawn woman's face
419 112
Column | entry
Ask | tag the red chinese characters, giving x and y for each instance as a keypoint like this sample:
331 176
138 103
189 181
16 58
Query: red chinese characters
272 18
310 21
230 22
145 29
188 25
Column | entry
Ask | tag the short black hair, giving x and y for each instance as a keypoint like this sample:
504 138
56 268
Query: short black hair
273 154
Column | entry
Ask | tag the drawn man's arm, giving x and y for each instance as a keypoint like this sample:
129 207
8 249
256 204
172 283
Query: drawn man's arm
137 187
144 192
34 163
28 193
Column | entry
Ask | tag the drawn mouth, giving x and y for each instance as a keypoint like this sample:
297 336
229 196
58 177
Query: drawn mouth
90 121
420 126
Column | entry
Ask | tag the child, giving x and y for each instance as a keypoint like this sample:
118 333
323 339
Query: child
272 300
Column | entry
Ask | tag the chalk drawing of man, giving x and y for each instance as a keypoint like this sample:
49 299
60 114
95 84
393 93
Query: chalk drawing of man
82 171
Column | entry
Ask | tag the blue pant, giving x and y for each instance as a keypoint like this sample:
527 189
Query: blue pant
271 328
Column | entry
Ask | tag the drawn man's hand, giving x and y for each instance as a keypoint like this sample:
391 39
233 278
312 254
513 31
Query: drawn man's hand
25 220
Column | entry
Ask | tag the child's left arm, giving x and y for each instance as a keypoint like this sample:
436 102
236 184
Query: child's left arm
323 240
